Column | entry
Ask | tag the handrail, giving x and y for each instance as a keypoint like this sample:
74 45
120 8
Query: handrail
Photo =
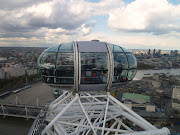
36 128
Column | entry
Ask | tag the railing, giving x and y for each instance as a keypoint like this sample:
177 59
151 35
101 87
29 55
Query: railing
19 110
38 124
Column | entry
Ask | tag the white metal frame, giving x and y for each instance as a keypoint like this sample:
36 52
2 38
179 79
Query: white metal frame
97 114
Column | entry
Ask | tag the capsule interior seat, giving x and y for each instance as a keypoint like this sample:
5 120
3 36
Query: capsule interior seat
86 66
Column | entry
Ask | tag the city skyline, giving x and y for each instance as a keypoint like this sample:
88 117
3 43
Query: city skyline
133 24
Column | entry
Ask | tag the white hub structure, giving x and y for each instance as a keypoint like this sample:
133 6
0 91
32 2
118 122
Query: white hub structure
95 114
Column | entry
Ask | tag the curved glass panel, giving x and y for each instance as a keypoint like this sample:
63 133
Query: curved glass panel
39 65
131 74
40 58
66 47
124 76
131 60
47 68
120 61
54 67
53 49
94 68
125 50
115 48
65 68
120 64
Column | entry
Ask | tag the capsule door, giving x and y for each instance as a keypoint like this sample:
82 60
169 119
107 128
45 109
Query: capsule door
93 66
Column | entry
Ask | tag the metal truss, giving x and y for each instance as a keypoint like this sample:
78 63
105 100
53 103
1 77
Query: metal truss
95 114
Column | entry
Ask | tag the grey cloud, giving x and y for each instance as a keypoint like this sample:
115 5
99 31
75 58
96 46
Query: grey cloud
60 17
14 4
155 17
157 25
17 21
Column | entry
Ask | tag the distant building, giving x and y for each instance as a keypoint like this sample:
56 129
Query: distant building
31 71
171 53
157 80
138 102
159 52
149 52
178 58
176 98
15 70
3 59
2 73
154 52
176 52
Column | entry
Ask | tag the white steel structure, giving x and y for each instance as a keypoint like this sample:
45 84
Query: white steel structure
98 114
88 71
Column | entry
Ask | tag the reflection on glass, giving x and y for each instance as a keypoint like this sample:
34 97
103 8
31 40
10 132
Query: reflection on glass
125 50
53 49
115 48
65 68
120 64
48 75
131 74
65 59
120 60
94 68
131 60
123 77
66 47
47 67
124 61
48 60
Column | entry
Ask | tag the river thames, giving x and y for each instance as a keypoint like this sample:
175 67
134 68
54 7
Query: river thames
42 92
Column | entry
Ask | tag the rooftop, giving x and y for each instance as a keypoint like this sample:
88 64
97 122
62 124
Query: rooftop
135 97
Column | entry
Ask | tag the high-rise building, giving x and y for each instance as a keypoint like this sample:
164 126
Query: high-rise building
154 51
171 53
159 52
176 52
149 52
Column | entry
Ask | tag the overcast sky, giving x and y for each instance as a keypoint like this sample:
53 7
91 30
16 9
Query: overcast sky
133 24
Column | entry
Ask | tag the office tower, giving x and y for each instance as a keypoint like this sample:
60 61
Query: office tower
149 52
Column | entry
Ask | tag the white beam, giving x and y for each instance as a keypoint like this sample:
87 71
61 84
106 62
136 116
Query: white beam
59 115
163 131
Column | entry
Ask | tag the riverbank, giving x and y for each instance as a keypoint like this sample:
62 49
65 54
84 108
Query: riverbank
39 94
14 126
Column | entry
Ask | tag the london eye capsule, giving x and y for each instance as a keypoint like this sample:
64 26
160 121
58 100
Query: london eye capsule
86 66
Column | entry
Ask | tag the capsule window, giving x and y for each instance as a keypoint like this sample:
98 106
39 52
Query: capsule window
47 67
65 68
131 74
94 68
66 47
53 49
131 60
120 64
